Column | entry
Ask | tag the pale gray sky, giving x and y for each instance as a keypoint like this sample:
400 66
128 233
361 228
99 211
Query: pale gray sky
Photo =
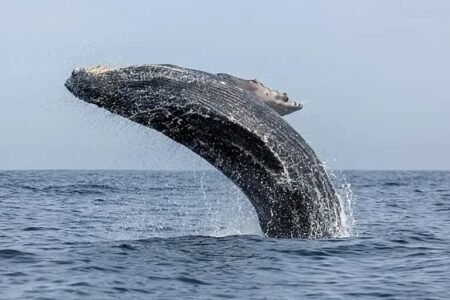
374 76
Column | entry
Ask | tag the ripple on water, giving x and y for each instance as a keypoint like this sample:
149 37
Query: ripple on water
151 235
14 254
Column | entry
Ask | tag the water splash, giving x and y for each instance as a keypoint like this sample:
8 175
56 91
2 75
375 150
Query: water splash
345 197
198 203
230 212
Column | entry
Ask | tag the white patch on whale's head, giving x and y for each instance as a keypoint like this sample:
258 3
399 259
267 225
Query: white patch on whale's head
99 69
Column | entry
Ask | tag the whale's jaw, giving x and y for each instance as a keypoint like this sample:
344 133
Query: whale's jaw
232 129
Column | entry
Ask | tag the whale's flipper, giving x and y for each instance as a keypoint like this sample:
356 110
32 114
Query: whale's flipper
225 122
276 100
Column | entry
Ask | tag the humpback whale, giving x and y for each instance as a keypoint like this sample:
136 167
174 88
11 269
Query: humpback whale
234 124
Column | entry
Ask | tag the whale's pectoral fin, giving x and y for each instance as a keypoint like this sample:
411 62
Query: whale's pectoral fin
276 100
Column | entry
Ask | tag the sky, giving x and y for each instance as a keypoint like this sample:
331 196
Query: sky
374 76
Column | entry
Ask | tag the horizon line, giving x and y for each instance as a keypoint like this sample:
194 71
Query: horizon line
215 170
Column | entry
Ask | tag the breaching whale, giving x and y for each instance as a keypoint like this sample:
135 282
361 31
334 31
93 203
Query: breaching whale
235 125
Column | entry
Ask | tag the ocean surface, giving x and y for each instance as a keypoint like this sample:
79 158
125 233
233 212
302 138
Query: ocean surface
193 235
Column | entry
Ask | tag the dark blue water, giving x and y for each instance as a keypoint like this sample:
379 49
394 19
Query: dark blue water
180 235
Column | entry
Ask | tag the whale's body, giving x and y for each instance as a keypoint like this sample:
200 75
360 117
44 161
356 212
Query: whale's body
229 125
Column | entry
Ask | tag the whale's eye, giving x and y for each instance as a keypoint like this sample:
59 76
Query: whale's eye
254 81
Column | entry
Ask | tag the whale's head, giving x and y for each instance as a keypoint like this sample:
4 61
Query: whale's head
92 85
